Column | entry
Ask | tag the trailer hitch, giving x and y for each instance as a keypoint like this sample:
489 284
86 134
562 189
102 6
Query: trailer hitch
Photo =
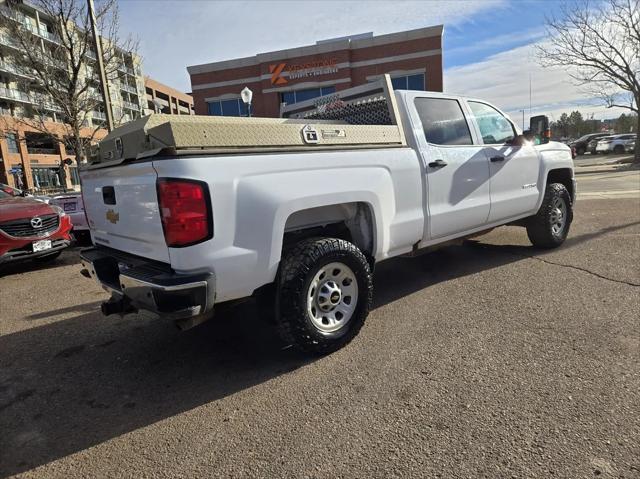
117 305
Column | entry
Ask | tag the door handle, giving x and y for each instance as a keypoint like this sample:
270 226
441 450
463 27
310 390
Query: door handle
437 164
495 159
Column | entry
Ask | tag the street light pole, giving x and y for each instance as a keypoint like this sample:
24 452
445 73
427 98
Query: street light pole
246 96
103 76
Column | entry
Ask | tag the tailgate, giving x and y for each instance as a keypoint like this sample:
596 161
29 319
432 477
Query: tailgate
121 204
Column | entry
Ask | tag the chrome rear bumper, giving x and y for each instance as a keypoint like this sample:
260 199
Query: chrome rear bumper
139 284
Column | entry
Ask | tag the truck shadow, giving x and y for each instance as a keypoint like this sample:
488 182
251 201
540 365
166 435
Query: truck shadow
74 383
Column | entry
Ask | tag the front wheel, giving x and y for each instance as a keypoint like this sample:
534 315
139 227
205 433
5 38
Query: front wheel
324 294
549 227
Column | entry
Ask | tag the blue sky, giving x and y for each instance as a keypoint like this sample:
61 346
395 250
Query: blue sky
488 44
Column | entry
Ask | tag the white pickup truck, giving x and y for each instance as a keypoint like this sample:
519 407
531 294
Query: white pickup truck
188 212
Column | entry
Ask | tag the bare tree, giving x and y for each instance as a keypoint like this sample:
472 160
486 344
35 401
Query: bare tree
61 75
599 45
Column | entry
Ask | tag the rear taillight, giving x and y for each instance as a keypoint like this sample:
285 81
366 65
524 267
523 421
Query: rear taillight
185 211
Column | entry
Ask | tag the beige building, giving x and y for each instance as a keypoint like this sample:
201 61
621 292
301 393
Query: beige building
29 158
169 99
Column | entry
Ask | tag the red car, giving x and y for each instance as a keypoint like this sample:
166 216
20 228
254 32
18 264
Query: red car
31 229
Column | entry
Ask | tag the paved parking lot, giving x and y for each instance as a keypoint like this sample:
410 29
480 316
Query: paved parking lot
490 359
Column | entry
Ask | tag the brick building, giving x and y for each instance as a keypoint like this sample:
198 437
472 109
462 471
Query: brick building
170 100
412 58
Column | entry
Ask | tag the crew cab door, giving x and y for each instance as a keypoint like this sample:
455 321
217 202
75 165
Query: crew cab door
457 170
514 169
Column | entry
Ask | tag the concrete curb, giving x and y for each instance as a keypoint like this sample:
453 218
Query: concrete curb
607 168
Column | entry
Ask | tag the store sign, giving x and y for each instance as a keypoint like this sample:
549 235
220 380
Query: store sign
302 70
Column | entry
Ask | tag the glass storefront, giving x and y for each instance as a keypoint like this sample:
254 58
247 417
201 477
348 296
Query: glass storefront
45 177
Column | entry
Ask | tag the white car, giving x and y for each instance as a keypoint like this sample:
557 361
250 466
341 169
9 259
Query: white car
614 144
631 146
188 213
72 205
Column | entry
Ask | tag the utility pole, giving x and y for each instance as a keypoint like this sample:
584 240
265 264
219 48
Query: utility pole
103 76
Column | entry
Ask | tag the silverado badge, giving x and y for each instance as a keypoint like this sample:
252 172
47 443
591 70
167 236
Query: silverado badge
113 216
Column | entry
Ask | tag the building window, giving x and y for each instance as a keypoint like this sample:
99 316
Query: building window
40 144
409 82
12 143
234 107
73 174
291 97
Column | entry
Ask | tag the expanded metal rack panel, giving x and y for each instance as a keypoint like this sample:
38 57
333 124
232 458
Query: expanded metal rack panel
374 111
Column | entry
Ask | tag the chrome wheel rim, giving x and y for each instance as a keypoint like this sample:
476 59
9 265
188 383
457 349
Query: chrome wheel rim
558 216
332 297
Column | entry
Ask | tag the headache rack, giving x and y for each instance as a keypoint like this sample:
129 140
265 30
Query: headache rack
362 117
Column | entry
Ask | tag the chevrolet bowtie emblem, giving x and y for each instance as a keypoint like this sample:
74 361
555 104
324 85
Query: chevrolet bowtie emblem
113 216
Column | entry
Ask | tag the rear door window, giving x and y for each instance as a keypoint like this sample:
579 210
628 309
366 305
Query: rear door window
443 121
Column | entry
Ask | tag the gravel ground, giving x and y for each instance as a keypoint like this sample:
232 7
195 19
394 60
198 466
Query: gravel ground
490 359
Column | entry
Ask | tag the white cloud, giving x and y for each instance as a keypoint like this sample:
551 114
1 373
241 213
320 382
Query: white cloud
174 34
499 41
503 79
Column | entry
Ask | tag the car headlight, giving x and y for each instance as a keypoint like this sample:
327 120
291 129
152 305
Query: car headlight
58 210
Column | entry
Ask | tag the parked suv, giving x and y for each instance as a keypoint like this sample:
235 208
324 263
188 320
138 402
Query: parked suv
615 143
31 229
584 144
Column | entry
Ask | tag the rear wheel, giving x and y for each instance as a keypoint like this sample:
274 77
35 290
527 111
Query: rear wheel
324 294
549 227
618 149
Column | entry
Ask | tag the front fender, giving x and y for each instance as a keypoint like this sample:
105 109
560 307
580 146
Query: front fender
553 156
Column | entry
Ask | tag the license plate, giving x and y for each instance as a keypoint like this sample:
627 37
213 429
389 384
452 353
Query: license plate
69 206
41 245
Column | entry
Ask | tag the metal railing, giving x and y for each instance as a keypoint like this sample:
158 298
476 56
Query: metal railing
22 19
131 106
12 94
24 97
126 69
6 40
5 66
129 88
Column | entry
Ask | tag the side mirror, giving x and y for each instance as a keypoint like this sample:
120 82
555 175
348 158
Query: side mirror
539 129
